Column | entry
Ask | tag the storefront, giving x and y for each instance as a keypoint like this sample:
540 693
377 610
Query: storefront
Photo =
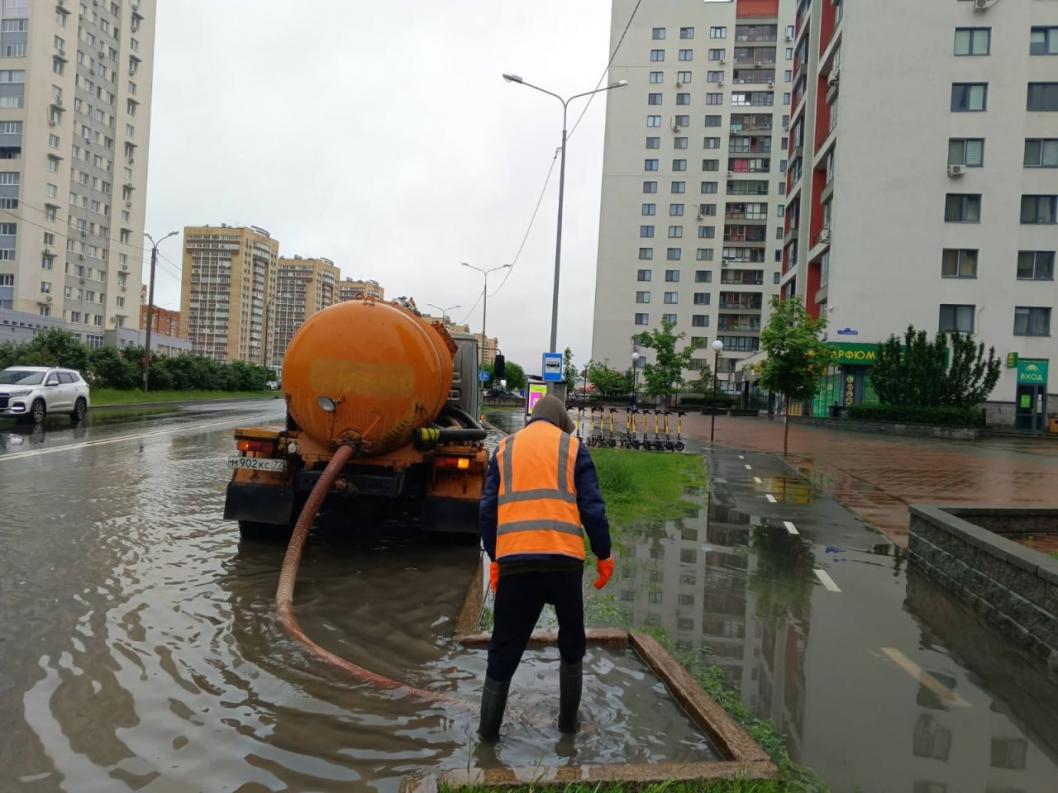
1030 403
848 380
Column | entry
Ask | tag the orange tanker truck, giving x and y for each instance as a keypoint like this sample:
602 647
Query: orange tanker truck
401 392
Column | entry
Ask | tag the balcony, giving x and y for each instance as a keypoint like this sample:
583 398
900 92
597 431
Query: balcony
752 75
757 33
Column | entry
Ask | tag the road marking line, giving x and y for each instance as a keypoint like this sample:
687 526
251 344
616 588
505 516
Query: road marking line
758 480
826 580
749 467
927 680
771 498
790 527
106 441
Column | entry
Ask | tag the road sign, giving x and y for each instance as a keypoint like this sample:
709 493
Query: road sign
483 376
552 367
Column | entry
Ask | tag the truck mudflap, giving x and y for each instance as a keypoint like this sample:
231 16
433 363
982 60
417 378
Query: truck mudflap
259 503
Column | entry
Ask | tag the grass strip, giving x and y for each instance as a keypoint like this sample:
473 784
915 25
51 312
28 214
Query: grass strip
101 397
642 485
720 786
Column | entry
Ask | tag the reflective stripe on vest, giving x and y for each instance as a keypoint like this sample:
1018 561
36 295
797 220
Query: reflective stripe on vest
537 503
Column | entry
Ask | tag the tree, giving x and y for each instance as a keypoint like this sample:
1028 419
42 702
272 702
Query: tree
706 386
55 347
947 371
796 357
570 370
664 376
608 381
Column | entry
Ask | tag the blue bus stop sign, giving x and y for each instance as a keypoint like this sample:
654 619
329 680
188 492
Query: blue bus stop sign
552 367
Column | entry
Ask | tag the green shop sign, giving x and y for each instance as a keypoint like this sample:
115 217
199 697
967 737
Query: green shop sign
1032 372
851 354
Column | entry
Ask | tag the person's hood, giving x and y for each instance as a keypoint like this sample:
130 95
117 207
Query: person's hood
550 408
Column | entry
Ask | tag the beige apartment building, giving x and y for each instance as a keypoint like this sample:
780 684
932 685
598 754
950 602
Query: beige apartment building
693 190
356 289
229 277
75 107
302 288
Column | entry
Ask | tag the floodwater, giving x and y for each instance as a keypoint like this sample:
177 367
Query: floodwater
139 651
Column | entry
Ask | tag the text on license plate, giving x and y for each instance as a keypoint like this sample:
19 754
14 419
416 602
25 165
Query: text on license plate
257 463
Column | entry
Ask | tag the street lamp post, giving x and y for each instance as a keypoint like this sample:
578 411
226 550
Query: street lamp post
485 300
150 305
635 373
514 78
444 312
718 347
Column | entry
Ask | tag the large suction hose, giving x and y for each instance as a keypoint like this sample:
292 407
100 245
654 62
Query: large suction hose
288 576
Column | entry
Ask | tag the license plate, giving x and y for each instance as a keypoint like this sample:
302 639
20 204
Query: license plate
257 464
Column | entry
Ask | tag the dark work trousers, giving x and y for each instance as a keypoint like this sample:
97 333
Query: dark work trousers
519 599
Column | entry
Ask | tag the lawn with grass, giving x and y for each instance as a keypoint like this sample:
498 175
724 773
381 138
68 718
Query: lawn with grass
641 485
101 397
722 786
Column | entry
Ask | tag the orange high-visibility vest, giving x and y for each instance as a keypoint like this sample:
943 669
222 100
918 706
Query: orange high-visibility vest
537 504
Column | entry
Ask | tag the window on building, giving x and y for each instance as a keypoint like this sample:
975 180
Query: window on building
657 56
653 143
646 231
700 320
643 275
1043 97
973 41
657 34
710 187
1036 265
653 121
672 276
679 165
683 78
958 263
970 97
642 297
1032 321
714 99
956 318
679 143
718 32
1043 41
683 99
966 151
650 187
646 254
642 319
686 55
648 209
686 33
668 319
675 210
706 232
1039 209
712 121
1041 153
650 165
704 254
673 254
681 121
672 298
653 99
656 78
675 232
678 188
962 208
711 143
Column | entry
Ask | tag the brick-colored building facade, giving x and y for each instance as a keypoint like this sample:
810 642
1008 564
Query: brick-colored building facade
166 321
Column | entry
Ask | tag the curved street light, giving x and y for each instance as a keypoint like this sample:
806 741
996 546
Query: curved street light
485 301
150 305
515 78
444 311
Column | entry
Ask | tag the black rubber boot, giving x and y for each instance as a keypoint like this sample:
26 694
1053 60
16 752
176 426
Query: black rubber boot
493 703
570 680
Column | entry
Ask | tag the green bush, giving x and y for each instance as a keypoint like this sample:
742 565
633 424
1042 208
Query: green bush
941 415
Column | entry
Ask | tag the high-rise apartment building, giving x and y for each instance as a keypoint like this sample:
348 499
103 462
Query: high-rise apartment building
228 280
693 188
302 288
355 289
75 106
922 183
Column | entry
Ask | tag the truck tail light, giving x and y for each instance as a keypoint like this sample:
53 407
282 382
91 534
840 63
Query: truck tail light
453 463
260 447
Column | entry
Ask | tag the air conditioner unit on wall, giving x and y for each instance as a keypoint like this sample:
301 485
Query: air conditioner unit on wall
956 170
824 235
984 5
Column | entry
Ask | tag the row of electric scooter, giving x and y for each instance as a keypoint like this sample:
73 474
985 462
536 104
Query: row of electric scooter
602 430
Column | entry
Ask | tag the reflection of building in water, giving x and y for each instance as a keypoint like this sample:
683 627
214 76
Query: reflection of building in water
691 578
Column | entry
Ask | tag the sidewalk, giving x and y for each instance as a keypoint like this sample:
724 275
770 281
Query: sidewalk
877 476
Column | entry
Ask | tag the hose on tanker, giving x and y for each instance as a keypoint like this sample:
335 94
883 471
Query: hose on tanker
288 576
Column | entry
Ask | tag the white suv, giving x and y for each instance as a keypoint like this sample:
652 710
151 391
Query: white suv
29 393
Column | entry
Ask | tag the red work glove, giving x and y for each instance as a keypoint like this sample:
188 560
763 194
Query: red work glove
494 576
605 568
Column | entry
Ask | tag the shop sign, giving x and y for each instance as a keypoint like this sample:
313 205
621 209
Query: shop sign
1032 372
1012 360
852 354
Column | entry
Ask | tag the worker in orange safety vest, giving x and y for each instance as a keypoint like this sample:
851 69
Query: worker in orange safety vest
541 496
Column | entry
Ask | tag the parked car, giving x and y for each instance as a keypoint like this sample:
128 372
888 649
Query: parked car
29 393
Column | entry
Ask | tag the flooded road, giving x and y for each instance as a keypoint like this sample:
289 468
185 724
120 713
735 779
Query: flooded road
138 648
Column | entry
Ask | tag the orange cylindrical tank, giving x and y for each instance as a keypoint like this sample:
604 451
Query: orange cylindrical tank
387 371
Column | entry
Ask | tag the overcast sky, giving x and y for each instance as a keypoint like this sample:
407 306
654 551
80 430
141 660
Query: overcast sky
381 135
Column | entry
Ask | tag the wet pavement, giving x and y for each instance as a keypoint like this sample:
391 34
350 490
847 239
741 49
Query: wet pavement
878 476
138 647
